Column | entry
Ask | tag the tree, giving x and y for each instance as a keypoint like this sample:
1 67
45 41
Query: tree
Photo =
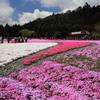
27 33
1 29
57 35
97 27
15 30
7 30
95 36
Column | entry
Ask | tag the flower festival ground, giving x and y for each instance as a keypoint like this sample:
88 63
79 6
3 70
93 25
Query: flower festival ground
72 76
12 51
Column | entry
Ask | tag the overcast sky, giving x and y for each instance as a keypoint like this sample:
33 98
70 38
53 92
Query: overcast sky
23 11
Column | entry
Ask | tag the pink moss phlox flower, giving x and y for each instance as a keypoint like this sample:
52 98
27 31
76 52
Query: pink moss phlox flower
27 61
19 92
49 81
94 74
61 48
67 68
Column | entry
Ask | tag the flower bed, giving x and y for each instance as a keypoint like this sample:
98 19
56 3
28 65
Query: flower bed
51 81
55 81
88 58
12 51
62 48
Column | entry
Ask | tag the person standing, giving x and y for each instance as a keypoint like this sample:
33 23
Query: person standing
15 40
8 39
18 40
22 39
26 39
0 39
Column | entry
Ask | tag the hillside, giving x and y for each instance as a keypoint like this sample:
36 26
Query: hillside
60 25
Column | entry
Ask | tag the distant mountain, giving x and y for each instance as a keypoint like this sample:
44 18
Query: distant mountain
60 25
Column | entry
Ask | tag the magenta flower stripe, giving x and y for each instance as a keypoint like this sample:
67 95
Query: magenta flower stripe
65 46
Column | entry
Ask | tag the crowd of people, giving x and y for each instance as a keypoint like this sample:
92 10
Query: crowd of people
13 39
19 39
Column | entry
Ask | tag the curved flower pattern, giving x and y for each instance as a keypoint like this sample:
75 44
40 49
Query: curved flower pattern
13 51
62 48
54 81
88 58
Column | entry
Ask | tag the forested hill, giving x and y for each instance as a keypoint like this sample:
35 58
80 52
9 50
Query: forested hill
60 25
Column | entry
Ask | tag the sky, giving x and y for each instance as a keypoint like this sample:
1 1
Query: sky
24 11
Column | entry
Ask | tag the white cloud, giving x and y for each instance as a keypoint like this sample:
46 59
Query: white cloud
26 16
29 0
6 12
66 4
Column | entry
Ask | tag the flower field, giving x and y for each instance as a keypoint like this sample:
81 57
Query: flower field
73 76
88 58
12 51
65 46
